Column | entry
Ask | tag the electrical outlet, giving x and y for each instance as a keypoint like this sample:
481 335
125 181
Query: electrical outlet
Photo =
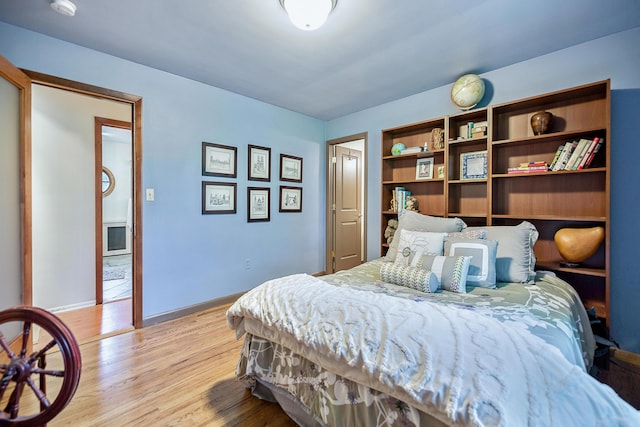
150 195
247 264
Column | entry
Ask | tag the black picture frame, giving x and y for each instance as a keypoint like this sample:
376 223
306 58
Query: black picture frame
219 197
290 168
258 204
290 199
219 160
259 167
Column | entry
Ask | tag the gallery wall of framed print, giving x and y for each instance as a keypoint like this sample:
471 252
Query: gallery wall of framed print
473 165
290 199
259 163
290 168
218 197
219 160
424 168
258 204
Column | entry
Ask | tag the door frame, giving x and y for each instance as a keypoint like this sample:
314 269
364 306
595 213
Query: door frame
136 129
330 193
21 80
99 123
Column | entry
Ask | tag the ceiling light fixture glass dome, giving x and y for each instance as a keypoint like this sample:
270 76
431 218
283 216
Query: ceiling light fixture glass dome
308 15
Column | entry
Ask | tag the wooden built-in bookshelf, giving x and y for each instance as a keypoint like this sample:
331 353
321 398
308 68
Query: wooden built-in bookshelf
549 200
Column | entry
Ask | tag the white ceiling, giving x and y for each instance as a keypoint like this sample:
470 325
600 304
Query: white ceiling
368 53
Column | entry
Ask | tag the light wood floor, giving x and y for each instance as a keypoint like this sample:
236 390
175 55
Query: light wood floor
176 373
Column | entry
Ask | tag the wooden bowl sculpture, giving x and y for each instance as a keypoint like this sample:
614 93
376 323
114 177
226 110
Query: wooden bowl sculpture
577 244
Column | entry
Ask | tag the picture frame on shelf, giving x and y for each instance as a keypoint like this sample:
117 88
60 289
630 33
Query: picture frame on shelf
290 168
290 199
258 204
218 197
424 168
440 172
219 160
259 168
474 165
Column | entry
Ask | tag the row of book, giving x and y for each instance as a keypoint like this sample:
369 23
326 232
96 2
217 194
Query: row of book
576 155
400 195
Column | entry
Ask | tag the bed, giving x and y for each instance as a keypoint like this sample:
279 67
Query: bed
379 346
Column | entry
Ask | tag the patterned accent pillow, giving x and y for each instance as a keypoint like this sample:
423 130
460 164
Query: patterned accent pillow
410 277
482 269
451 271
409 220
471 234
416 243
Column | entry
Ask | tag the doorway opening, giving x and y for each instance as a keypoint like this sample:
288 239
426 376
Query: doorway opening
114 226
346 203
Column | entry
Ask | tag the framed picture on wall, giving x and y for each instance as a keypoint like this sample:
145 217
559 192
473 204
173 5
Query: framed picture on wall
259 163
290 199
219 160
218 197
258 204
290 168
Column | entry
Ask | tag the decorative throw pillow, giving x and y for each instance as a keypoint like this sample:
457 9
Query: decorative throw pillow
409 220
416 243
468 234
451 271
482 268
515 259
410 277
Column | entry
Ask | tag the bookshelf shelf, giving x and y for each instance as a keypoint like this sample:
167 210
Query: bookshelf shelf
551 200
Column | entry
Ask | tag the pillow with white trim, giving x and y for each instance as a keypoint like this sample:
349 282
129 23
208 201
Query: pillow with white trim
410 277
451 271
515 259
482 268
409 220
415 243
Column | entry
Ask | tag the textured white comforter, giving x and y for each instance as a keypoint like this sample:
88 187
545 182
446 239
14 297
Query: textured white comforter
461 367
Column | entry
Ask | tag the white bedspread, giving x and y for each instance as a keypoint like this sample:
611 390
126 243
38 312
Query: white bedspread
461 367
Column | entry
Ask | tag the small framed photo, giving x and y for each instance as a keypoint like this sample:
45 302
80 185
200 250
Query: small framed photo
441 172
424 168
290 199
258 204
218 197
290 168
473 165
259 163
219 160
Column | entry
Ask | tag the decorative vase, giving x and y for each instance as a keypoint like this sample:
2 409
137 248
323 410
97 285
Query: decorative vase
577 244
540 122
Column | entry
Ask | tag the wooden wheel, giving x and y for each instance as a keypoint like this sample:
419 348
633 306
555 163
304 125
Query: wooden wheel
23 366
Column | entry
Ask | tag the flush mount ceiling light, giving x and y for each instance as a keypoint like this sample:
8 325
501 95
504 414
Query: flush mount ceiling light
308 15
63 7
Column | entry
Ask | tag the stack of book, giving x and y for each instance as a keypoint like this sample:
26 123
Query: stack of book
412 150
576 155
530 167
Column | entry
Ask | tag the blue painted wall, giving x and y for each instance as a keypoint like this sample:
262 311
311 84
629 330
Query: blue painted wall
188 257
616 57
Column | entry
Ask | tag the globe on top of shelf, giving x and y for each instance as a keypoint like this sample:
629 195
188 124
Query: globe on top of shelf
397 149
467 91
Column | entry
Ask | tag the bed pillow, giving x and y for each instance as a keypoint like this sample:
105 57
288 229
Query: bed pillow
415 243
409 220
482 268
451 271
468 234
410 277
515 259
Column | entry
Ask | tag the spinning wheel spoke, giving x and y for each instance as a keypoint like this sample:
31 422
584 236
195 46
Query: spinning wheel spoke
26 333
41 353
5 347
14 401
39 394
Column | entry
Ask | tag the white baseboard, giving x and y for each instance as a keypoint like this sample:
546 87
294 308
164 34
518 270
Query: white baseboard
72 306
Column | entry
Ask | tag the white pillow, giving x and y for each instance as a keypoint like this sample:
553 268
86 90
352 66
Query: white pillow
410 277
451 271
412 244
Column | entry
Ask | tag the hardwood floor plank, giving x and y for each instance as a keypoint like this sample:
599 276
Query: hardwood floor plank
177 373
